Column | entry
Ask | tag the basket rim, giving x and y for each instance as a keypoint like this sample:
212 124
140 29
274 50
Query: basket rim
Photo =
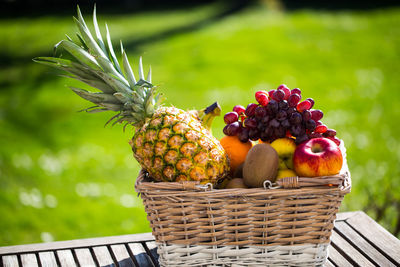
187 188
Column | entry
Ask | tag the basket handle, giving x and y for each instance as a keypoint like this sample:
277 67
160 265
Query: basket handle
300 182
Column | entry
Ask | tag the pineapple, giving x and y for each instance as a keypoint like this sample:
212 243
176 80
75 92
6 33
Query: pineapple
171 144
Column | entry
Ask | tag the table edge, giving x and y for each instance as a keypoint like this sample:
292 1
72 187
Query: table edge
76 243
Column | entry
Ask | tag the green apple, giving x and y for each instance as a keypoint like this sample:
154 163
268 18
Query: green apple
285 148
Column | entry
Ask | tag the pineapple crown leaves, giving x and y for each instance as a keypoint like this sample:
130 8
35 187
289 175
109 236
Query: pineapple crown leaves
94 63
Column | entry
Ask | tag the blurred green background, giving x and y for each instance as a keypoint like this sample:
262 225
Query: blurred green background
64 176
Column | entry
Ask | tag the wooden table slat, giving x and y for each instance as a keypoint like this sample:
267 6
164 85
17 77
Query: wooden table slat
328 263
338 259
357 241
84 257
47 259
29 260
122 256
103 256
10 261
66 258
378 236
140 254
151 249
348 251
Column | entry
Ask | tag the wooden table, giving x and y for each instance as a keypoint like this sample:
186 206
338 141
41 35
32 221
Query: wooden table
357 240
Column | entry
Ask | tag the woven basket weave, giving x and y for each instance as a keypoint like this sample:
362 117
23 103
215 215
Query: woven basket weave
195 225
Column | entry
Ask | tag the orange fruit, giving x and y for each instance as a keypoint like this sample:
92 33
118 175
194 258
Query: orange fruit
236 150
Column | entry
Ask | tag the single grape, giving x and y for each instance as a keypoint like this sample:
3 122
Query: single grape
316 114
287 93
294 99
254 134
261 92
315 135
244 135
285 123
285 89
250 110
304 105
281 115
311 125
297 130
231 117
265 120
274 123
271 93
306 115
263 99
260 112
265 136
321 128
225 130
282 86
272 106
260 127
234 128
250 123
278 95
283 105
280 132
269 130
318 123
295 118
296 91
311 101
302 138
239 109
290 111
330 133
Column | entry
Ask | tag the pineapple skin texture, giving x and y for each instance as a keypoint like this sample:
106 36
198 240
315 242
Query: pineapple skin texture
173 146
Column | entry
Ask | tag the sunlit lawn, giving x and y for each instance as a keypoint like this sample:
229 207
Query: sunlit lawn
64 176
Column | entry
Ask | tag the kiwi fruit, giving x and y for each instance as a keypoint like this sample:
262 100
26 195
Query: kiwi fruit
239 171
262 162
236 183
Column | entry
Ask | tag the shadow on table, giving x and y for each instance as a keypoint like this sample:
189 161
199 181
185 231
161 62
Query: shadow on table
142 260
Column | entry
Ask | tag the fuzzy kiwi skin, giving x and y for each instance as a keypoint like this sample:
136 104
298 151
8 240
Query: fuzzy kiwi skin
262 162
236 183
239 171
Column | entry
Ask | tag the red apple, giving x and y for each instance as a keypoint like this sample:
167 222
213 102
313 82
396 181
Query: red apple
317 157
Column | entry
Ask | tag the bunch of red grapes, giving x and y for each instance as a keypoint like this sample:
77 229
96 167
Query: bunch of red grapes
279 113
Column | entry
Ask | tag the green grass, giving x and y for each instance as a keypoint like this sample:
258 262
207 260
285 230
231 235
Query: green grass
64 176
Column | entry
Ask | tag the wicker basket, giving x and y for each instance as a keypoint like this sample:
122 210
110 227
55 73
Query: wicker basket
285 224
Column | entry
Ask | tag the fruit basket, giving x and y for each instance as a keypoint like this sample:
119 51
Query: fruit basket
281 220
284 224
